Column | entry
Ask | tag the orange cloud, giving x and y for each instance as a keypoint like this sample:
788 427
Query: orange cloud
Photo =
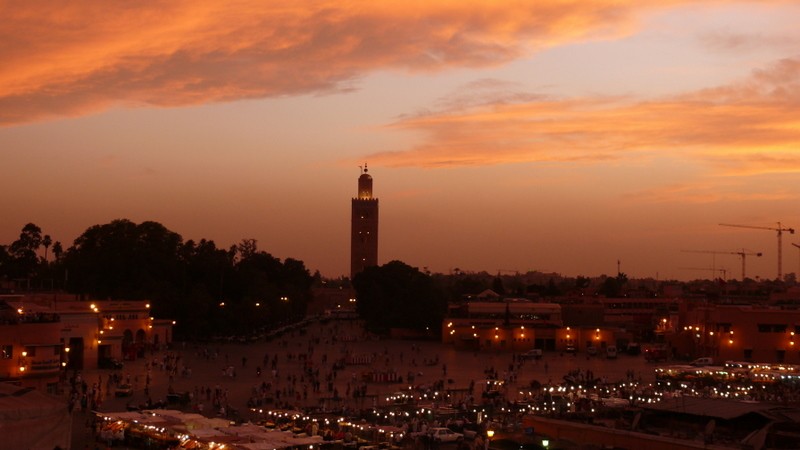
84 56
708 192
746 128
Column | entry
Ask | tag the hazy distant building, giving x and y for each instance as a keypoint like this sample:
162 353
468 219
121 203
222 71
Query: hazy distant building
364 227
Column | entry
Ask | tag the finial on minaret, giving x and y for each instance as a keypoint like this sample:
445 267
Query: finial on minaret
365 168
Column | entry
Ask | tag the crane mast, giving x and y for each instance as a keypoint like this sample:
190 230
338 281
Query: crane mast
743 254
798 267
780 231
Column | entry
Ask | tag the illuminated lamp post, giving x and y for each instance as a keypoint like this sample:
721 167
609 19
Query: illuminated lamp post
285 300
22 361
65 359
489 435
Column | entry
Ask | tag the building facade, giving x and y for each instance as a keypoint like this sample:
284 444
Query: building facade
42 336
364 227
515 325
752 333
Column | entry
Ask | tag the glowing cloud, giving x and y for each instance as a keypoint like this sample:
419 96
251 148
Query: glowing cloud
746 128
85 56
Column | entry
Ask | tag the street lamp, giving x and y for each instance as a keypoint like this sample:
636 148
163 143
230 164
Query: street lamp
22 361
285 300
489 435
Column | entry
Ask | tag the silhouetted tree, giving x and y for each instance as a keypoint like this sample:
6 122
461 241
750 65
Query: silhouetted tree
497 286
46 242
124 260
397 295
582 282
24 261
57 250
612 287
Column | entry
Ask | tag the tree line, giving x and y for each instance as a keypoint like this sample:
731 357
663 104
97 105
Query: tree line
207 289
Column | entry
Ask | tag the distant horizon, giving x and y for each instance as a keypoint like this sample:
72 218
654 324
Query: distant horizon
501 136
451 271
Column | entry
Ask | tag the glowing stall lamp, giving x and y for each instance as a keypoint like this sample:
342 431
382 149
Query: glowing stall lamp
545 443
490 433
730 341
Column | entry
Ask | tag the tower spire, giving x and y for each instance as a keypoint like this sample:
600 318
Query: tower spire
364 226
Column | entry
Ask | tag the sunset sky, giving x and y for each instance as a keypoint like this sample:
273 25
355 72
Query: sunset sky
558 136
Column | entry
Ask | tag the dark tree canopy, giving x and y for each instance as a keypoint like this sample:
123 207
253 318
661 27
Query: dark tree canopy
124 260
206 289
22 260
397 295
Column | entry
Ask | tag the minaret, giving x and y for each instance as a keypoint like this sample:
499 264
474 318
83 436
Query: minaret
364 227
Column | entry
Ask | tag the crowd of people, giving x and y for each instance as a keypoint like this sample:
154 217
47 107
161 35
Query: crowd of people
329 367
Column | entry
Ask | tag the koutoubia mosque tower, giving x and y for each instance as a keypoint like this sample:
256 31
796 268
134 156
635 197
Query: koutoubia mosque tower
364 227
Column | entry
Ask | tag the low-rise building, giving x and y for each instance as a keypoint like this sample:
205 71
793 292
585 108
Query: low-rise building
764 334
43 335
509 325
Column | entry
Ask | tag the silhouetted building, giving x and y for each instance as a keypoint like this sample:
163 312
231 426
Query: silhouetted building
364 227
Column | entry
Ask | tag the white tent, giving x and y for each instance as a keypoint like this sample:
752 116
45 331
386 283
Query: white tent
31 419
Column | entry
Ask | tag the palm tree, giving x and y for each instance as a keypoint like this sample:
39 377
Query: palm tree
46 241
57 250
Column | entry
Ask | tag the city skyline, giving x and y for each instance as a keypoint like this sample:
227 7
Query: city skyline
556 136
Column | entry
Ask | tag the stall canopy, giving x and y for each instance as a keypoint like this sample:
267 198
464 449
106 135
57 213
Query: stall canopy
32 419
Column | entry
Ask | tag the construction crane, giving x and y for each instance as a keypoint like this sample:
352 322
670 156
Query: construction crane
798 246
780 231
743 254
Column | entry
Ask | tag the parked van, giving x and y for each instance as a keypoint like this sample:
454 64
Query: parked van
700 362
535 353
611 352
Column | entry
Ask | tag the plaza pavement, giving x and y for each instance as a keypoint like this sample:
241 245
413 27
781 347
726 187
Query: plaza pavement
334 340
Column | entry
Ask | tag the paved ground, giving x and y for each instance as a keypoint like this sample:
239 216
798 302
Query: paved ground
320 345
